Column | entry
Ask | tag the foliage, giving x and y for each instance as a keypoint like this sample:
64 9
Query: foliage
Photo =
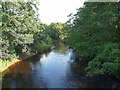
56 31
20 28
15 21
42 41
106 62
94 34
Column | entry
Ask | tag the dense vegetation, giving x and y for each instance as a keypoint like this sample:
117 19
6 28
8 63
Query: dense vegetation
22 31
92 31
95 34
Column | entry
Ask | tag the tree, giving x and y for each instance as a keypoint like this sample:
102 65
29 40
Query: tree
20 24
56 31
93 31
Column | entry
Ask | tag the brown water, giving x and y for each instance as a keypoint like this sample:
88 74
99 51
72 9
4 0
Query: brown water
55 69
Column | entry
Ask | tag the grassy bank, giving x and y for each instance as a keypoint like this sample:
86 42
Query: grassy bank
7 63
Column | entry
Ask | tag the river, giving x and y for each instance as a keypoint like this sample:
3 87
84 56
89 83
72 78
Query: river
54 69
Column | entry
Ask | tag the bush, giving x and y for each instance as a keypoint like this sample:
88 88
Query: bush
106 62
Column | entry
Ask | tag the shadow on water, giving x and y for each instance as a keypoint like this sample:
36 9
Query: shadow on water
55 69
47 70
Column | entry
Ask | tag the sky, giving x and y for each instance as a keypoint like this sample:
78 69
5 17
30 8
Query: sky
57 10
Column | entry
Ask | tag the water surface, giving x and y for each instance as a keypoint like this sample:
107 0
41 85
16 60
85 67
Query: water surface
55 69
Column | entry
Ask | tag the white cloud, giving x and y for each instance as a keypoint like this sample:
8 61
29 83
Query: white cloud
57 10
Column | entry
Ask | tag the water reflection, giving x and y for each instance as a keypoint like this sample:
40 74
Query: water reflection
20 67
61 48
54 69
48 70
18 76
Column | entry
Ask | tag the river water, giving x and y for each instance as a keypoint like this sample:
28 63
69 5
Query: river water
55 69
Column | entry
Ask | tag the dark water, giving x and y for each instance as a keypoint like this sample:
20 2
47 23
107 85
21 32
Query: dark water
55 69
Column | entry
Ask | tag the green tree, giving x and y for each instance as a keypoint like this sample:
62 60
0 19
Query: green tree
42 41
93 31
56 31
20 26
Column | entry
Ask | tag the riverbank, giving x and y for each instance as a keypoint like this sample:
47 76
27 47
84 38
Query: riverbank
5 65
